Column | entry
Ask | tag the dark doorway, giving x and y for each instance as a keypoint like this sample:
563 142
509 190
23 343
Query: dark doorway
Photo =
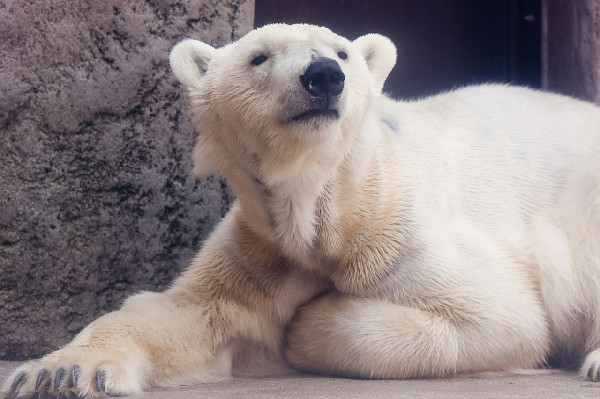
441 44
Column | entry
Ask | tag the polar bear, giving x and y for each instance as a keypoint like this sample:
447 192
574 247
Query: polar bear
370 238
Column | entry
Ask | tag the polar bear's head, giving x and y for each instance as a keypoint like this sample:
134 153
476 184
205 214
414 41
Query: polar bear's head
269 100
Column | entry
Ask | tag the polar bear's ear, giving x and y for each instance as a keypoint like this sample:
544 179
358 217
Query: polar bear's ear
380 54
189 61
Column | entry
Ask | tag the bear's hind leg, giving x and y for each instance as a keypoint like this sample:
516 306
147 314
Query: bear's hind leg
591 366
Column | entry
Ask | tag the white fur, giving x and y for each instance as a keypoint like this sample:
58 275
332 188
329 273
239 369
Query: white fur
189 60
460 233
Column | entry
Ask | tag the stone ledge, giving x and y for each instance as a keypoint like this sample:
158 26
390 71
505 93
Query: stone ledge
541 384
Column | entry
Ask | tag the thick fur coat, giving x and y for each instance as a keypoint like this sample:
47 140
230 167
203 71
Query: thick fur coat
370 238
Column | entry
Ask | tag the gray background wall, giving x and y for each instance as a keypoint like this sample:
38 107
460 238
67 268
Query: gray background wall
96 196
573 48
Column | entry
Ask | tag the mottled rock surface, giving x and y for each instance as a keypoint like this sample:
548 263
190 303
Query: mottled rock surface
574 48
97 200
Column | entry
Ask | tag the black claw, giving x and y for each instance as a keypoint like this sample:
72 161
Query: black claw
60 374
20 380
75 375
100 377
41 377
590 373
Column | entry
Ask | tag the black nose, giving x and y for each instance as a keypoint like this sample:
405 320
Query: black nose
323 78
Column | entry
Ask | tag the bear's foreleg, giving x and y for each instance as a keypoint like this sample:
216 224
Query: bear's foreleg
348 336
235 297
152 337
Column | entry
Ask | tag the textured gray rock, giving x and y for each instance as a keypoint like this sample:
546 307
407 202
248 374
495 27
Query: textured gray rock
97 200
574 48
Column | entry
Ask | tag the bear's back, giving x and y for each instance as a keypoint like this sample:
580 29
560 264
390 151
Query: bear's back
494 153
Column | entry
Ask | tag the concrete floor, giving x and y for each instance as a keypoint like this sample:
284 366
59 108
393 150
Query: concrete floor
548 384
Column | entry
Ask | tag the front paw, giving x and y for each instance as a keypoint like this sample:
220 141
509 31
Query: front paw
79 372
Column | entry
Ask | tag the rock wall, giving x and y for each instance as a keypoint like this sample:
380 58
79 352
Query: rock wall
97 200
573 50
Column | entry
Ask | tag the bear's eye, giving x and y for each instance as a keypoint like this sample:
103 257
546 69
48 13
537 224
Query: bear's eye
342 55
259 59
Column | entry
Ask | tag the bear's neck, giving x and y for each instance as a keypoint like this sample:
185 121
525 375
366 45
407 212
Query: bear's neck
285 212
299 213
